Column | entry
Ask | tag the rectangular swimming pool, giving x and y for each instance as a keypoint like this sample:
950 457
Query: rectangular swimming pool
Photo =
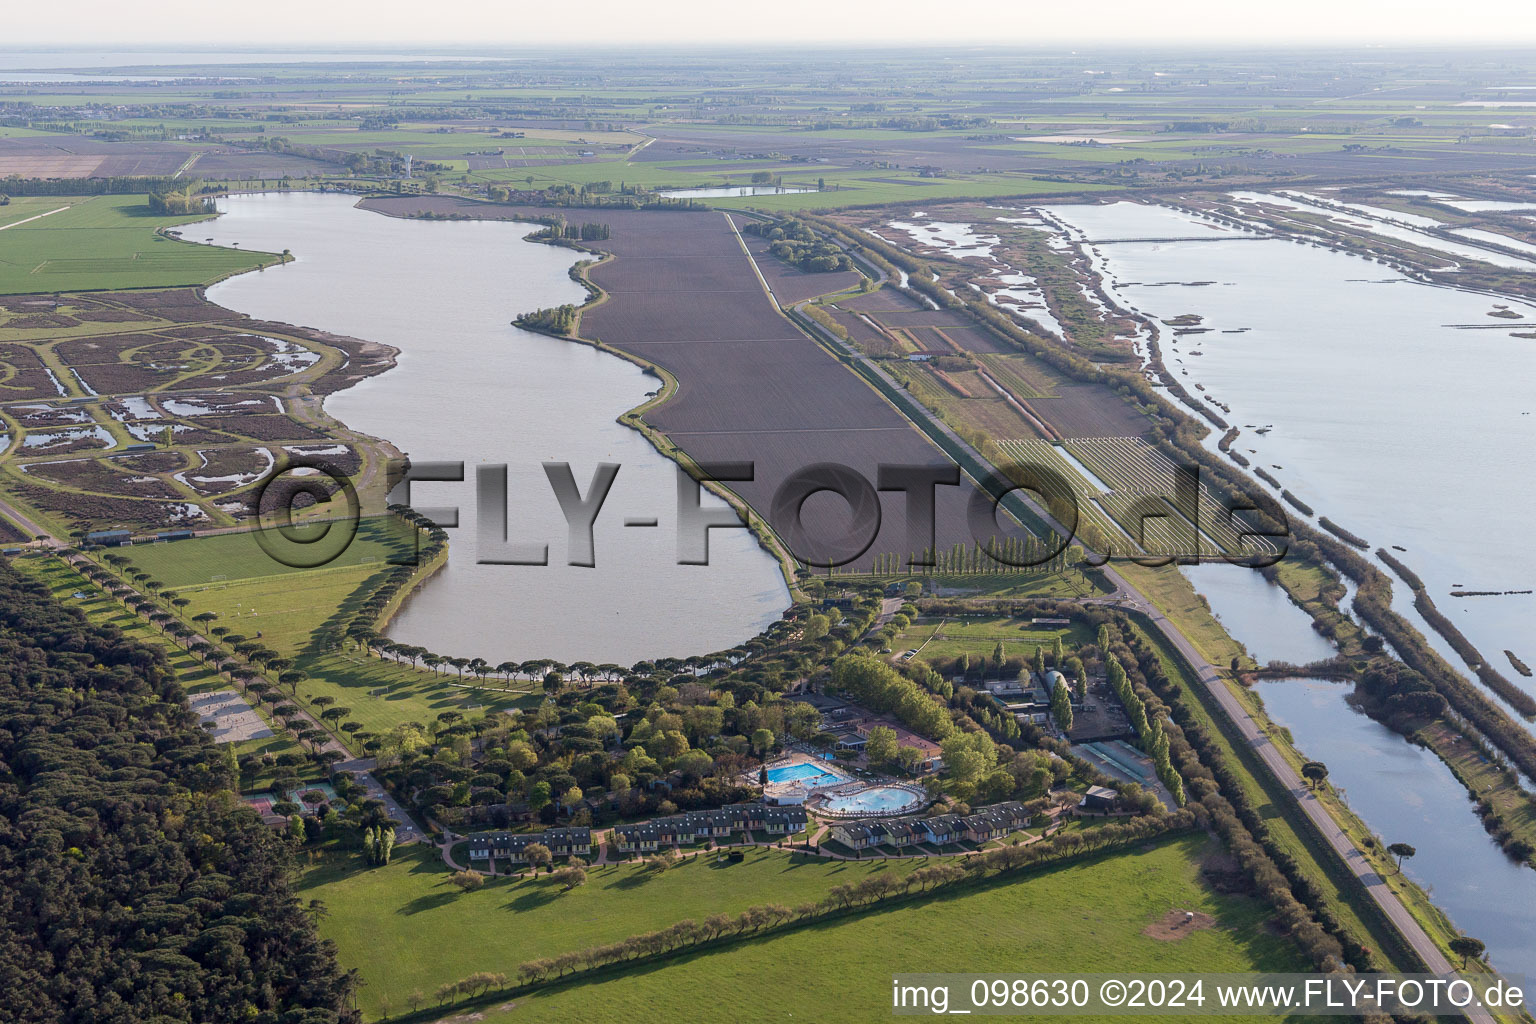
808 775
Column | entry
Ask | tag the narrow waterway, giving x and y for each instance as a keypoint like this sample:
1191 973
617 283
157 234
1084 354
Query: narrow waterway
469 387
1407 795
1400 410
1258 614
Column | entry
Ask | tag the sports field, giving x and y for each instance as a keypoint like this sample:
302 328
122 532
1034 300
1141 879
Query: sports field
108 242
979 636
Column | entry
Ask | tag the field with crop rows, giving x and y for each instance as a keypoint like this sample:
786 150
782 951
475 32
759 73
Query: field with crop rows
1135 467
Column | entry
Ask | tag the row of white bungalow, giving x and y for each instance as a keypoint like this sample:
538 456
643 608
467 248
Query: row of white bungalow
983 825
692 826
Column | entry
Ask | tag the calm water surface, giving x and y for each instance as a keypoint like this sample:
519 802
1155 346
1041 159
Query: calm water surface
1403 411
1258 615
1398 412
469 387
1406 794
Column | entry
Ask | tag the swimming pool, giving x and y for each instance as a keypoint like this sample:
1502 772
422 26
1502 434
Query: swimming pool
806 774
874 800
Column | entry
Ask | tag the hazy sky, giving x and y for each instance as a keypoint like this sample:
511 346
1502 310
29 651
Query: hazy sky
524 23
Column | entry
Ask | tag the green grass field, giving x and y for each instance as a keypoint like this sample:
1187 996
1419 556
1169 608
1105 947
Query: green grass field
844 186
64 583
23 208
978 636
406 929
233 577
110 242
240 557
1082 918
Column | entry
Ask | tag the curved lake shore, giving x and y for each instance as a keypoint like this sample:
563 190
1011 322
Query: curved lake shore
469 387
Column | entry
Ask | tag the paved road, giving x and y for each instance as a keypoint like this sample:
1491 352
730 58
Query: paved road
1210 677
26 525
360 767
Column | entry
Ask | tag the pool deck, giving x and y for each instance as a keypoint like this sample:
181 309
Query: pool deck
834 776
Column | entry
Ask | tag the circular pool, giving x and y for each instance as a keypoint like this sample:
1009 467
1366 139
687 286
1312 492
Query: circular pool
873 800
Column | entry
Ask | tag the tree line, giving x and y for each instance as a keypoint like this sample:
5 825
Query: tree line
134 885
842 899
16 185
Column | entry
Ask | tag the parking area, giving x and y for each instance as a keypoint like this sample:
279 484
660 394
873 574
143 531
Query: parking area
227 717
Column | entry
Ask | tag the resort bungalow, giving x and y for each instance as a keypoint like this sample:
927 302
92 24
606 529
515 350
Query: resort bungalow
981 828
1012 813
562 842
855 836
940 830
691 826
896 833
746 816
643 837
783 821
569 842
714 824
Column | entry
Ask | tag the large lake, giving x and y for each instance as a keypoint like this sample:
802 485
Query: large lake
469 387
1399 410
1403 411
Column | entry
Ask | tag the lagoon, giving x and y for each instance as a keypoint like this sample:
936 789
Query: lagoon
470 387
1400 410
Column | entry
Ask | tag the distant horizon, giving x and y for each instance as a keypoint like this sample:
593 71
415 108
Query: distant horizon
690 25
1063 47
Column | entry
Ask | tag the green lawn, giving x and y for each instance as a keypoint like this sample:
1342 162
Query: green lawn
405 928
1083 918
26 207
64 582
110 242
979 635
240 557
408 695
232 576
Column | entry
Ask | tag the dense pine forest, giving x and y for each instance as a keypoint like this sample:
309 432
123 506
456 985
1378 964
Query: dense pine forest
134 886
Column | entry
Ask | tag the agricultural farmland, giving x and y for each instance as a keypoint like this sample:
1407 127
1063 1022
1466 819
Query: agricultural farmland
111 242
682 294
1128 496
149 408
